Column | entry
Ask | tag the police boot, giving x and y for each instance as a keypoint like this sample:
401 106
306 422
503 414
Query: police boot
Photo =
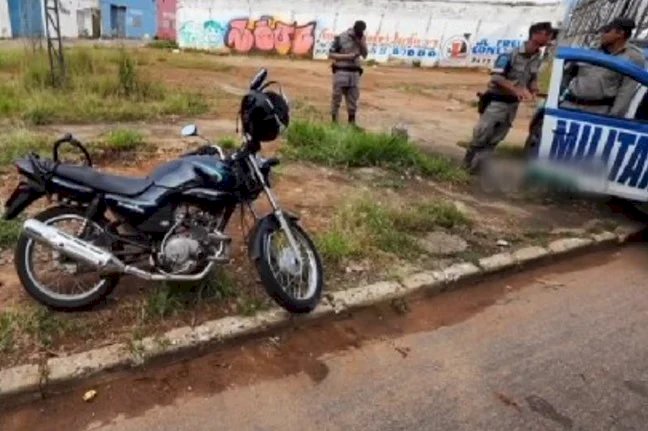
468 160
334 118
352 120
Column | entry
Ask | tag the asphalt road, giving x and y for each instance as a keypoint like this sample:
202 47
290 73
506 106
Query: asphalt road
556 348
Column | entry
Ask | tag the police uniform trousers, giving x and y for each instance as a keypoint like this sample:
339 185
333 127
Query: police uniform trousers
347 84
493 125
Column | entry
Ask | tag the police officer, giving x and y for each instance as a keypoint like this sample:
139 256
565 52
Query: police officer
600 90
345 52
514 79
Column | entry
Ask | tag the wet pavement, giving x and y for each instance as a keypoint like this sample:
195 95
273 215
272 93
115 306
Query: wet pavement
558 347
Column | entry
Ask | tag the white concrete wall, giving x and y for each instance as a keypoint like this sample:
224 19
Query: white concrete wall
447 33
5 22
69 12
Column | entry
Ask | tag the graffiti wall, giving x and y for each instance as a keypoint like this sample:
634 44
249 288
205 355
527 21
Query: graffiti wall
431 32
270 35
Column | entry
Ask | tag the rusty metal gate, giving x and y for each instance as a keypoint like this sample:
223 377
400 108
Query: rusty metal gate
588 16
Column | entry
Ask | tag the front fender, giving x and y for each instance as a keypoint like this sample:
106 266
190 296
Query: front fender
263 226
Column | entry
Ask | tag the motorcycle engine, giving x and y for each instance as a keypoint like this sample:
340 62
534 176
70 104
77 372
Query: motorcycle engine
183 249
181 254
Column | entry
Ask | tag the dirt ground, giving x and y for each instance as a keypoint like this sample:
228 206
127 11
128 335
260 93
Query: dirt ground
434 104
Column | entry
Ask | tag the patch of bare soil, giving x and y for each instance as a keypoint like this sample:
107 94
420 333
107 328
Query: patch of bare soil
436 105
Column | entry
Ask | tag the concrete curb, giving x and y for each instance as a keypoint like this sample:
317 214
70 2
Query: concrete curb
27 379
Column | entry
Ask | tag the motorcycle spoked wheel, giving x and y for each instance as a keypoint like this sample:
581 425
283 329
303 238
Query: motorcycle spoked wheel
73 296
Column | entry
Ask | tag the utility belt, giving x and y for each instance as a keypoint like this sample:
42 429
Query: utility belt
336 68
606 101
485 99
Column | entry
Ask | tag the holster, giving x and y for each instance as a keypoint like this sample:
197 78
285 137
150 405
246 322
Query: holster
483 100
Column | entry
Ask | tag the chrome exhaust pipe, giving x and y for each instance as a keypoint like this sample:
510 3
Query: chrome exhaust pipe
70 245
102 260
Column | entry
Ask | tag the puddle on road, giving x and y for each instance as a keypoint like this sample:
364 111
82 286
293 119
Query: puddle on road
290 351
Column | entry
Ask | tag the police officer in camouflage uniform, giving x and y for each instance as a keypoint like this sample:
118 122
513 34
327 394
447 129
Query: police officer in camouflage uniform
345 52
600 90
514 79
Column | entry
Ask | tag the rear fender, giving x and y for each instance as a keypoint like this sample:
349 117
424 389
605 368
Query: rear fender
22 197
263 226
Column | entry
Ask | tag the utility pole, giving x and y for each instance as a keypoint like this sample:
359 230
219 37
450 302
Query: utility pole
54 43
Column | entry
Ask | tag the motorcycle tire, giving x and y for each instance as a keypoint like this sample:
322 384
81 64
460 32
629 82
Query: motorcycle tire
273 286
32 286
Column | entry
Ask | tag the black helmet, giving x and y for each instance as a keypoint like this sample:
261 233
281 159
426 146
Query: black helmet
264 114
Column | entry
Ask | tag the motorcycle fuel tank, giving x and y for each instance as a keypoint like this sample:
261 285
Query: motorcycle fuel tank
194 170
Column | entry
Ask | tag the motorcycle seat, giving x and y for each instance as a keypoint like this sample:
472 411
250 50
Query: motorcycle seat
107 183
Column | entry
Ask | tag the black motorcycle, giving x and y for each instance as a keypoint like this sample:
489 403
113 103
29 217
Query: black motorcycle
168 226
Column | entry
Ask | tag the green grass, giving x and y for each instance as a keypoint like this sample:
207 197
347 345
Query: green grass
8 327
102 85
35 325
9 232
44 325
228 143
364 227
172 298
163 44
220 286
185 103
249 306
426 216
124 140
335 246
17 143
349 147
306 111
163 302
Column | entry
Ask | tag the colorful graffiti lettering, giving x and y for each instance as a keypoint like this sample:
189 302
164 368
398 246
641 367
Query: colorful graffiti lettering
213 34
269 35
209 35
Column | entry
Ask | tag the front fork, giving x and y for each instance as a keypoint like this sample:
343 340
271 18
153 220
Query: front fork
276 209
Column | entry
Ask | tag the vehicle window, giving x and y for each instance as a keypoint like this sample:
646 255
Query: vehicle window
594 89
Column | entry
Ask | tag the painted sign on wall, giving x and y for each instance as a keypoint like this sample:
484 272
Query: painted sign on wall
430 32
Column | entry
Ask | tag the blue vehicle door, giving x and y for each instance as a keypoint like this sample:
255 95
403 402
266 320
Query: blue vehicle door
599 153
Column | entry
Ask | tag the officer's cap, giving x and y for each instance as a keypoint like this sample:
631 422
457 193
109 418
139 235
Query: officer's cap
624 24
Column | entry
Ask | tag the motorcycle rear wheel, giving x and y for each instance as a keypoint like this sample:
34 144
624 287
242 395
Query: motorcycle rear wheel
44 291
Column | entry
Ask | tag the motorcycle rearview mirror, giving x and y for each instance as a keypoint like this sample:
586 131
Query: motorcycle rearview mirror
258 79
189 130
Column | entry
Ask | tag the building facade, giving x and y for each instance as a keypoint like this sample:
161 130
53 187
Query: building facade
166 19
130 19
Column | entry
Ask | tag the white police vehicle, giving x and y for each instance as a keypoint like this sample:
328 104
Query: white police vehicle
597 154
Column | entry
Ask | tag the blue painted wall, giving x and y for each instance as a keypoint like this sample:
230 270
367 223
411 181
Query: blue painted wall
26 18
140 18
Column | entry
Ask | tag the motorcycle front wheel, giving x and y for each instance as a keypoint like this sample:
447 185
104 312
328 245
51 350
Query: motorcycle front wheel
295 287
